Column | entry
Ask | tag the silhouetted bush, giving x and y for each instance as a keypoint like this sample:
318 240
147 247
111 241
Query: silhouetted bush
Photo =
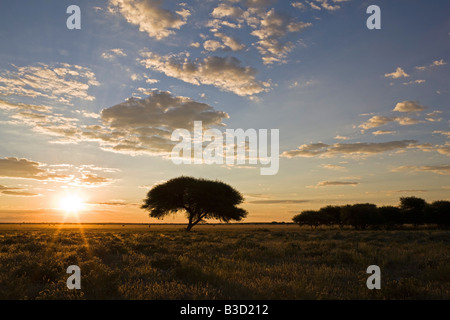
308 218
360 215
438 212
391 216
333 214
412 210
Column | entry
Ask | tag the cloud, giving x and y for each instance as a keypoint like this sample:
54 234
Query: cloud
26 169
435 63
157 22
230 42
225 10
18 192
327 6
444 133
44 122
445 149
270 27
398 73
82 176
382 132
359 148
62 82
378 121
298 5
339 137
419 81
336 183
433 116
4 105
113 53
212 45
304 84
438 169
408 106
278 201
139 126
333 167
224 73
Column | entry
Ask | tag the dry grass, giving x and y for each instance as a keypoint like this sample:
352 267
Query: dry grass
221 262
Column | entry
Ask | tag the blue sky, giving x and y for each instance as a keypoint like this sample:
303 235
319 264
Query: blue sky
363 114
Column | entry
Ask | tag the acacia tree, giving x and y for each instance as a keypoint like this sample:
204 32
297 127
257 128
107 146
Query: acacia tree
200 199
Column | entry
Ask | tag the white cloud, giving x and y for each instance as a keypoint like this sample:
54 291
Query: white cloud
408 106
270 27
333 167
419 81
435 63
62 82
113 53
358 148
337 183
224 73
17 192
378 121
212 45
157 22
145 126
439 169
383 132
398 73
230 42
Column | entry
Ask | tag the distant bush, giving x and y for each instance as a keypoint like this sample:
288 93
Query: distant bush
411 210
438 212
360 215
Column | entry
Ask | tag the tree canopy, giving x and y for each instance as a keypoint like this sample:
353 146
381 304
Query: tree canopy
200 199
411 210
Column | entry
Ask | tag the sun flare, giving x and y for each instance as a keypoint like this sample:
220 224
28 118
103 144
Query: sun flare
71 204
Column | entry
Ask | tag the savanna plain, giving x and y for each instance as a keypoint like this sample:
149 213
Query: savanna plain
229 261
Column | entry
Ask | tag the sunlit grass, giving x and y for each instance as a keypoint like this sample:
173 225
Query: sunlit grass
253 262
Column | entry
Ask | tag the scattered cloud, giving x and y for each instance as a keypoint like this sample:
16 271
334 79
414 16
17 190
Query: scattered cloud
398 73
270 28
26 169
337 183
378 121
113 53
438 169
61 82
408 106
151 18
444 133
333 167
382 132
418 81
83 176
278 201
145 125
435 63
339 137
17 192
224 73
304 84
358 148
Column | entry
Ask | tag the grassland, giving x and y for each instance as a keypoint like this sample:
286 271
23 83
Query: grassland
221 262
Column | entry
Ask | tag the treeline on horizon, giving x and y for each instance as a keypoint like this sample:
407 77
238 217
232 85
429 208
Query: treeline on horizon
411 210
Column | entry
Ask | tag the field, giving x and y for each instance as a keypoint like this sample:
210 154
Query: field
273 261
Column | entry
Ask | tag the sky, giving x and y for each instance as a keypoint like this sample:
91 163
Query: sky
88 114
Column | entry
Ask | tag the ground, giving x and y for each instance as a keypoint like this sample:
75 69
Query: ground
266 261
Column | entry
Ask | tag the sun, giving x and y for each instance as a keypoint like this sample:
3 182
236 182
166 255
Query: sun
71 204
